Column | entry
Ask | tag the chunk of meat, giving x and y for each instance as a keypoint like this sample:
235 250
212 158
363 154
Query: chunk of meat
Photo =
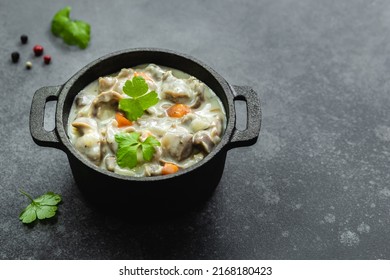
84 100
155 72
111 130
107 83
199 89
84 125
203 139
178 146
216 129
110 162
152 169
176 90
199 123
104 102
89 143
125 73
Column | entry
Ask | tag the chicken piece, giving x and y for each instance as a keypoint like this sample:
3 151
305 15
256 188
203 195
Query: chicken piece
83 100
89 143
111 130
102 103
152 169
198 88
199 123
155 72
83 125
106 83
125 73
216 128
176 90
203 139
178 146
110 162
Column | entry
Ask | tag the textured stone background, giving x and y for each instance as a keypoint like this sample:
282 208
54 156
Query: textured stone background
316 184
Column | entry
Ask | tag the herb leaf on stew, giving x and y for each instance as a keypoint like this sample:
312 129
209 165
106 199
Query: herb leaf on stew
129 145
42 207
139 99
73 32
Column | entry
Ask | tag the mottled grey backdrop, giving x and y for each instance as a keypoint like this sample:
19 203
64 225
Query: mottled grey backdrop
316 184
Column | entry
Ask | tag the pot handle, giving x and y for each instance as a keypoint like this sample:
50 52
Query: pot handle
248 136
41 136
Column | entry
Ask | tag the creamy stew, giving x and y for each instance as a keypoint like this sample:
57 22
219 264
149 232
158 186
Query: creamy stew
187 121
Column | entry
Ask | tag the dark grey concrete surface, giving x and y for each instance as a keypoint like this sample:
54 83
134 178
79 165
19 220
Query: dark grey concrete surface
316 184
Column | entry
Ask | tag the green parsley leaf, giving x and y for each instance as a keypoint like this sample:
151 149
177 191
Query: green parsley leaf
42 207
136 87
128 147
139 100
126 155
132 108
73 32
148 149
148 100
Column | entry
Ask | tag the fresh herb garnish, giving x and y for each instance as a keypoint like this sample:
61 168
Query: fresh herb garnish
73 32
139 100
128 147
42 207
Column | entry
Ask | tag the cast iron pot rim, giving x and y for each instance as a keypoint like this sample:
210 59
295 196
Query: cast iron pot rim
221 147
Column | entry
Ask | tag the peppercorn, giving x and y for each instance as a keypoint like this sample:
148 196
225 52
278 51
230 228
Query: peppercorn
38 50
47 59
28 65
24 39
15 57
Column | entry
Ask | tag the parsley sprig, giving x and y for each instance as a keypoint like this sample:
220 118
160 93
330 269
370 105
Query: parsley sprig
139 100
73 32
129 145
42 207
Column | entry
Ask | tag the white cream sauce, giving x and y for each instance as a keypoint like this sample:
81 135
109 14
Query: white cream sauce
184 141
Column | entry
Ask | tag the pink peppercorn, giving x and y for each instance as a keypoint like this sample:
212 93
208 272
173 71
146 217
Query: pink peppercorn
38 50
47 59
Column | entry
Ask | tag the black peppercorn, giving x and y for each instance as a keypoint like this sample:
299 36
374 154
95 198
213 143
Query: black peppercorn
24 39
15 57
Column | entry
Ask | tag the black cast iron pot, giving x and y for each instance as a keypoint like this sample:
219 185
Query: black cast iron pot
186 187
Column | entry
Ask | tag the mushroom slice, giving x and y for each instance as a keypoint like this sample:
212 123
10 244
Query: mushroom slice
106 97
103 103
84 124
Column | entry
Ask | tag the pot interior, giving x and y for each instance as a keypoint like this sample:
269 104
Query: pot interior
126 59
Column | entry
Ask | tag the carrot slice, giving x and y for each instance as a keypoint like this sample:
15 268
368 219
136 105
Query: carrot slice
122 121
178 110
169 168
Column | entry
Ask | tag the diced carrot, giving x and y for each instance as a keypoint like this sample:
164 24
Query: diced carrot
169 168
143 75
178 110
122 121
